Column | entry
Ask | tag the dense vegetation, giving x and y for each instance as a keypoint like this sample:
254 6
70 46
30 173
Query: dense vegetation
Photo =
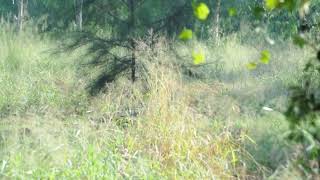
159 89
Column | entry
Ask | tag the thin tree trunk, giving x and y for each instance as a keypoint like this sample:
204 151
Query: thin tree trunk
25 9
131 28
217 21
79 13
20 15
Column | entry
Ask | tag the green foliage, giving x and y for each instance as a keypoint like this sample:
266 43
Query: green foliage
272 4
258 12
303 116
232 12
304 106
301 5
252 65
299 41
186 34
198 58
201 11
265 57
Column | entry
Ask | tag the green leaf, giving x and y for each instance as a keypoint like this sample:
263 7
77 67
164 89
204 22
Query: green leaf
272 4
299 41
265 57
186 34
232 12
198 58
258 12
290 4
252 65
201 11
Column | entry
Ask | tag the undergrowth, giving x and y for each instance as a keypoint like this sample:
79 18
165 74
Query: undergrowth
168 125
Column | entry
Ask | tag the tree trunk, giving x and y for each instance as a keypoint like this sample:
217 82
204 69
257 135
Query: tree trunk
25 9
217 21
20 15
79 13
131 29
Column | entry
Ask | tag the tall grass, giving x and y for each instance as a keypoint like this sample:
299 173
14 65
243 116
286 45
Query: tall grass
31 80
167 126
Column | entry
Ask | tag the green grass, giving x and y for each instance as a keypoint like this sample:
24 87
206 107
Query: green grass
174 127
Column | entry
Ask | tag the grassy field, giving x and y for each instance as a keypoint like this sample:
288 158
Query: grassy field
172 127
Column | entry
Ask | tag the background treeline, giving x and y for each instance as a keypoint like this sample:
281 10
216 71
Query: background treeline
165 16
